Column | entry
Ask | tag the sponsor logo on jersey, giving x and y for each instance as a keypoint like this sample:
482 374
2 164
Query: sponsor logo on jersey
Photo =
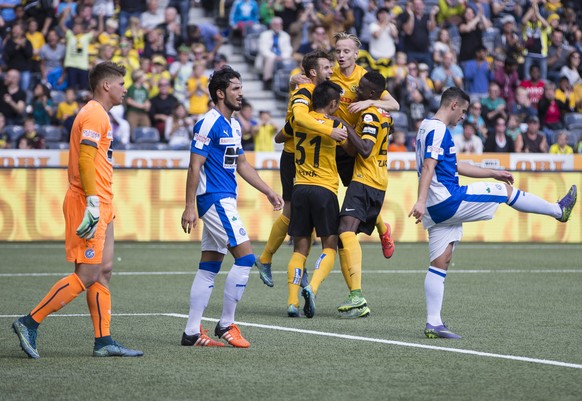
90 253
228 141
436 149
201 140
301 100
368 118
109 134
87 133
242 231
452 150
369 130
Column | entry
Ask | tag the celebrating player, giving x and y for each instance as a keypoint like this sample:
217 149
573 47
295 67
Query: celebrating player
366 190
89 214
443 205
211 191
317 67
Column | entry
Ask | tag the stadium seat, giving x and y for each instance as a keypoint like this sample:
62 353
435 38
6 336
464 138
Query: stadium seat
281 83
150 146
57 145
146 135
573 121
574 136
14 132
251 47
51 133
400 120
57 97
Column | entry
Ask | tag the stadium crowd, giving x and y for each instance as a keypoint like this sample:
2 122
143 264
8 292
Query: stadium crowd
518 59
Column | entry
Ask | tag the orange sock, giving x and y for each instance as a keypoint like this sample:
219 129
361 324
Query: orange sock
99 302
62 292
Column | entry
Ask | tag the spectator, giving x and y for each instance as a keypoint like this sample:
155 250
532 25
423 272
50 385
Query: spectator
549 111
206 34
51 56
468 142
366 19
12 98
248 124
218 62
42 105
558 53
172 32
535 36
242 14
565 97
152 16
105 8
154 45
398 143
178 127
37 40
77 55
509 42
181 70
18 54
514 126
442 45
384 33
290 11
571 69
265 133
499 141
105 53
7 7
446 75
120 126
157 72
109 36
534 85
508 80
522 109
475 118
127 57
162 105
471 30
136 35
417 94
397 74
5 140
477 73
450 12
416 26
30 139
531 141
68 108
138 103
493 106
561 146
198 90
335 18
274 47
503 8
130 9
318 41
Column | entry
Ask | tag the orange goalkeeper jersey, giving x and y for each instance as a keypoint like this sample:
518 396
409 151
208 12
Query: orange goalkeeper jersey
92 127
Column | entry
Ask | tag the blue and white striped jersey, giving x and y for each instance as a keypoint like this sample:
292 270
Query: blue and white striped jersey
434 141
219 140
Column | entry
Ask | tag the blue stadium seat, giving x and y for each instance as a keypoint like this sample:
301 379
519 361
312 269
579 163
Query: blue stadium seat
251 47
146 135
400 120
57 97
14 132
51 133
573 121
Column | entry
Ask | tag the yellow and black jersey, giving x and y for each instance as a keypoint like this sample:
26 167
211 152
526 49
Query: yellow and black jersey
348 85
299 107
374 124
315 152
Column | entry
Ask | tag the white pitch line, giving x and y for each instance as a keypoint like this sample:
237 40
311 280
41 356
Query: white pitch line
349 337
279 272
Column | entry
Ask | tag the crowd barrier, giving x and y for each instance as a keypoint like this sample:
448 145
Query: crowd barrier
149 201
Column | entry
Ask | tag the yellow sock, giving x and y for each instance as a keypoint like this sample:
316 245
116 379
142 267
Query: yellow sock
380 225
323 267
295 270
99 302
62 292
276 238
353 252
345 266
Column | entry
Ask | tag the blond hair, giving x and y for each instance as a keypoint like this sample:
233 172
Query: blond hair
345 35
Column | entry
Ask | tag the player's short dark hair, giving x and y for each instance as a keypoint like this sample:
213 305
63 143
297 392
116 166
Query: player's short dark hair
324 93
453 93
377 81
220 80
104 70
310 60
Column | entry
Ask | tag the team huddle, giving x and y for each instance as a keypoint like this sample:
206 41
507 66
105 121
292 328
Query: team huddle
337 128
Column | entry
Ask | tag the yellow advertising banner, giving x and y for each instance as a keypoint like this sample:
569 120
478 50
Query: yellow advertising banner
149 205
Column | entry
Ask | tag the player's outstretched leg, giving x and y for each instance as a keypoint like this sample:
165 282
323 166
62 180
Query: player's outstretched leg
567 203
265 272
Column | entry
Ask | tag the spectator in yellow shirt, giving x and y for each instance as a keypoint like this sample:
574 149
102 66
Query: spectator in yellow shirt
265 133
69 107
561 146
198 90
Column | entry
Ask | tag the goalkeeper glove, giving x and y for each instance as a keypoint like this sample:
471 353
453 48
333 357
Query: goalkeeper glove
88 226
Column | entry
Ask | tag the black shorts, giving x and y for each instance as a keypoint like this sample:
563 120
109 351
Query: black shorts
287 171
313 207
364 203
345 165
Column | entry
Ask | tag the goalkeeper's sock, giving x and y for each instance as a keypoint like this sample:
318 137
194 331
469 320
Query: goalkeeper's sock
353 253
323 267
434 291
234 287
62 292
99 303
200 294
276 238
295 269
380 225
528 203
343 258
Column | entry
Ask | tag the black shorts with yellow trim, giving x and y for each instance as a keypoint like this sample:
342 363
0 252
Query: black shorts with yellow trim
287 172
364 203
345 165
313 207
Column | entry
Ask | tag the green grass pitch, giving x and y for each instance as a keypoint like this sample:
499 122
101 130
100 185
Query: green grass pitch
517 306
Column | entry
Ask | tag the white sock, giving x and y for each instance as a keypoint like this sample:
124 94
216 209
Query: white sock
199 296
525 202
434 291
236 282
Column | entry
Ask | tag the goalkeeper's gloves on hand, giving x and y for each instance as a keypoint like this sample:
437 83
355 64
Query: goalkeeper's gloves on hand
88 226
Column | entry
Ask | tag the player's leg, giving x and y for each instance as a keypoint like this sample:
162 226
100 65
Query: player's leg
529 203
295 271
385 234
442 241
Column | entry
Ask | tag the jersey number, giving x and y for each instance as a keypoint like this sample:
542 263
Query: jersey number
315 142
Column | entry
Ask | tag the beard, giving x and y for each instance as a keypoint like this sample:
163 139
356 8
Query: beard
231 106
